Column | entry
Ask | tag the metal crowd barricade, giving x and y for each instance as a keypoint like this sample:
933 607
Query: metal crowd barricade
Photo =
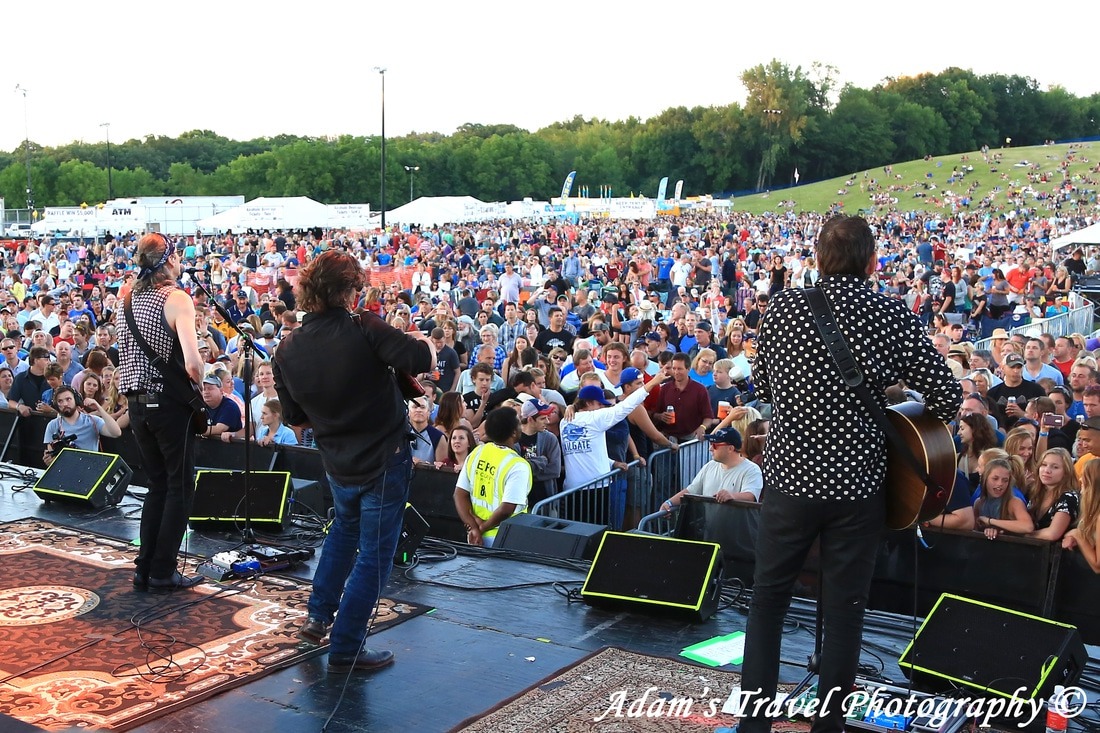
671 470
600 501
1077 320
659 522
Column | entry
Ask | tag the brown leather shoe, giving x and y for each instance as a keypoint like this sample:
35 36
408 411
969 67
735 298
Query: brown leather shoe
367 661
314 631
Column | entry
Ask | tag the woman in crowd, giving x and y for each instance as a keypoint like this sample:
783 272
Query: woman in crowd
1020 442
983 380
1084 537
939 323
756 437
91 388
964 294
459 444
998 295
702 367
451 413
778 272
94 364
976 436
1060 284
1055 503
558 358
264 391
450 338
372 301
997 510
115 402
515 358
978 303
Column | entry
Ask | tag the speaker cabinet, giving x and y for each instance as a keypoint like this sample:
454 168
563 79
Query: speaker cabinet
548 536
84 477
654 574
992 649
414 528
220 498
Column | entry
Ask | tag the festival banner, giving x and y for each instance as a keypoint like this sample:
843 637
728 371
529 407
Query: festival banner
568 185
662 189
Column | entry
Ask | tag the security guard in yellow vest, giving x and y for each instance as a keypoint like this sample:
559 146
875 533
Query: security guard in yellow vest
495 480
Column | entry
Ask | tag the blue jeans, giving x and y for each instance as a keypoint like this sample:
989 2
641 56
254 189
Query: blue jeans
358 553
849 533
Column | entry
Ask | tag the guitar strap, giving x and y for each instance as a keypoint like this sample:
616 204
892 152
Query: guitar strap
853 377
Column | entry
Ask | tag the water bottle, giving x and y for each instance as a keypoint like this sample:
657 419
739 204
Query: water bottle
1056 711
671 412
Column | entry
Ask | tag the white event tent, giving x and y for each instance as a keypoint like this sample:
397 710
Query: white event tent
1087 235
292 212
429 211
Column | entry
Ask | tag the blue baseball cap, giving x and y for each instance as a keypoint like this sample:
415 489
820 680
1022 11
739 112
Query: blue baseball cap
630 374
594 393
725 436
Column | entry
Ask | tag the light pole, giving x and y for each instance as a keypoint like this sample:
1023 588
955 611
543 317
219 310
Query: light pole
382 72
412 169
110 188
27 149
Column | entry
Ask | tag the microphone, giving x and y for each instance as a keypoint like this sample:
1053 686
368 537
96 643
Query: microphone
193 270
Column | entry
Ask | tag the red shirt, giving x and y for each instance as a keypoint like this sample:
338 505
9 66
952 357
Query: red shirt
692 408
1018 278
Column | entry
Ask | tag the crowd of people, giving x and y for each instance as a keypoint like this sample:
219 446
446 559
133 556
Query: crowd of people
562 322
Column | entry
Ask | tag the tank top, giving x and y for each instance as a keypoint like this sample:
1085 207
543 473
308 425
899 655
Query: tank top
137 374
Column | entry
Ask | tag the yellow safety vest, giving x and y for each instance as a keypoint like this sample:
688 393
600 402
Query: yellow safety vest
486 467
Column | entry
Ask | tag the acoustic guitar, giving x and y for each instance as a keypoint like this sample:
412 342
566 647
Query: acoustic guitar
908 499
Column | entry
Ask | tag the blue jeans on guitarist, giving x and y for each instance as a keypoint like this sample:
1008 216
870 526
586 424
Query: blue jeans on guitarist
358 552
849 533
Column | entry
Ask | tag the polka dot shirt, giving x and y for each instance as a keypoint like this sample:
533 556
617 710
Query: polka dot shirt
823 443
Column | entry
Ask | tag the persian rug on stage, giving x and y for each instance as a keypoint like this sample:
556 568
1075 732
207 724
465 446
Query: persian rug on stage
79 647
617 690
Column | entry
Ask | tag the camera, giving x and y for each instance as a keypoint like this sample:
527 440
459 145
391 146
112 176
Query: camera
60 441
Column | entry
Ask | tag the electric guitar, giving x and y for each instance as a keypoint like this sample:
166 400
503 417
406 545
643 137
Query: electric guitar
908 499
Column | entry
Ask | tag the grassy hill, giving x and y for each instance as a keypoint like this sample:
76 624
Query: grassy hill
936 184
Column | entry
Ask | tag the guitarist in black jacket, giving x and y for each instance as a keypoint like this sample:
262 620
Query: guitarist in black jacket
158 394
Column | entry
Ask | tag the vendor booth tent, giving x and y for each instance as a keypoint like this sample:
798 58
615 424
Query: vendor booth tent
293 212
1089 235
433 210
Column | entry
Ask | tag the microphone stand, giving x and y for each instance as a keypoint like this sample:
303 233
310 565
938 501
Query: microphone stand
247 349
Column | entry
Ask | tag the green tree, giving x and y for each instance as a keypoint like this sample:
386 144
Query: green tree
136 182
79 182
184 180
855 135
667 146
781 107
720 134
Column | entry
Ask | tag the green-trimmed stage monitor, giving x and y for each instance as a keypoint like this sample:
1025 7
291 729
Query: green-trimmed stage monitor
223 497
995 650
653 574
85 477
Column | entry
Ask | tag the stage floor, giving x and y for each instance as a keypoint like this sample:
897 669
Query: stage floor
474 650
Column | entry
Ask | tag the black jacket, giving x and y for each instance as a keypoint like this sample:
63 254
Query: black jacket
336 376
